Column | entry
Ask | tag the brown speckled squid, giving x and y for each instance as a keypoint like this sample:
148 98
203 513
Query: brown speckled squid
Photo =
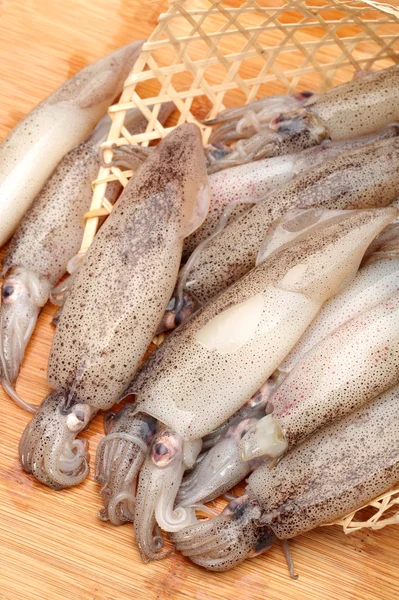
360 178
374 283
340 469
33 148
208 368
117 299
358 361
241 185
223 466
353 181
362 106
48 237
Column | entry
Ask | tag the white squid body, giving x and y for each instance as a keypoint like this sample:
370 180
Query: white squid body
373 284
344 371
209 368
222 467
35 146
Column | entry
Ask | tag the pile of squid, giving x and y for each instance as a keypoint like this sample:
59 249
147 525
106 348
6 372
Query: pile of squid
271 257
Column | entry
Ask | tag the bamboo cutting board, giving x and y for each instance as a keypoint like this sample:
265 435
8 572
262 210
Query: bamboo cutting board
52 545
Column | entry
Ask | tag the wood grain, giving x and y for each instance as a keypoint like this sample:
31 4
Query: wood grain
52 545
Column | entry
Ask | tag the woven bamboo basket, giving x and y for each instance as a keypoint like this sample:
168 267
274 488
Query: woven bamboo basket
245 51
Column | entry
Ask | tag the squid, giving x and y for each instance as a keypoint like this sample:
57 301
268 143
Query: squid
361 178
34 147
235 454
338 470
208 368
48 237
244 121
374 283
362 106
358 361
114 448
116 301
221 467
235 190
386 245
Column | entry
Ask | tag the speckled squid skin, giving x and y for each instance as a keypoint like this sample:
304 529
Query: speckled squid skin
338 470
373 283
239 184
34 147
256 179
345 370
49 236
51 232
193 383
362 106
361 178
128 275
359 107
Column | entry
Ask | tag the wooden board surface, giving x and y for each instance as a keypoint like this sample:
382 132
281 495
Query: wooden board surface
52 545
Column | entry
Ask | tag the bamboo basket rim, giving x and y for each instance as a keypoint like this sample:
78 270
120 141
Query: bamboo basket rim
146 68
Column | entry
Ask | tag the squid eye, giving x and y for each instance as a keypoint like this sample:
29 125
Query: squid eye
161 449
9 293
165 448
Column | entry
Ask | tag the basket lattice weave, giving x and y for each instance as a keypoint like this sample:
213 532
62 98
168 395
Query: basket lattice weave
207 55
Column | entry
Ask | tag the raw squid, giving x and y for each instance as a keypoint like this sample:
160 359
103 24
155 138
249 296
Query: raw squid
373 284
358 361
360 178
117 299
253 181
216 471
234 190
248 411
223 466
386 245
357 108
336 471
114 449
48 237
207 369
34 147
244 121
